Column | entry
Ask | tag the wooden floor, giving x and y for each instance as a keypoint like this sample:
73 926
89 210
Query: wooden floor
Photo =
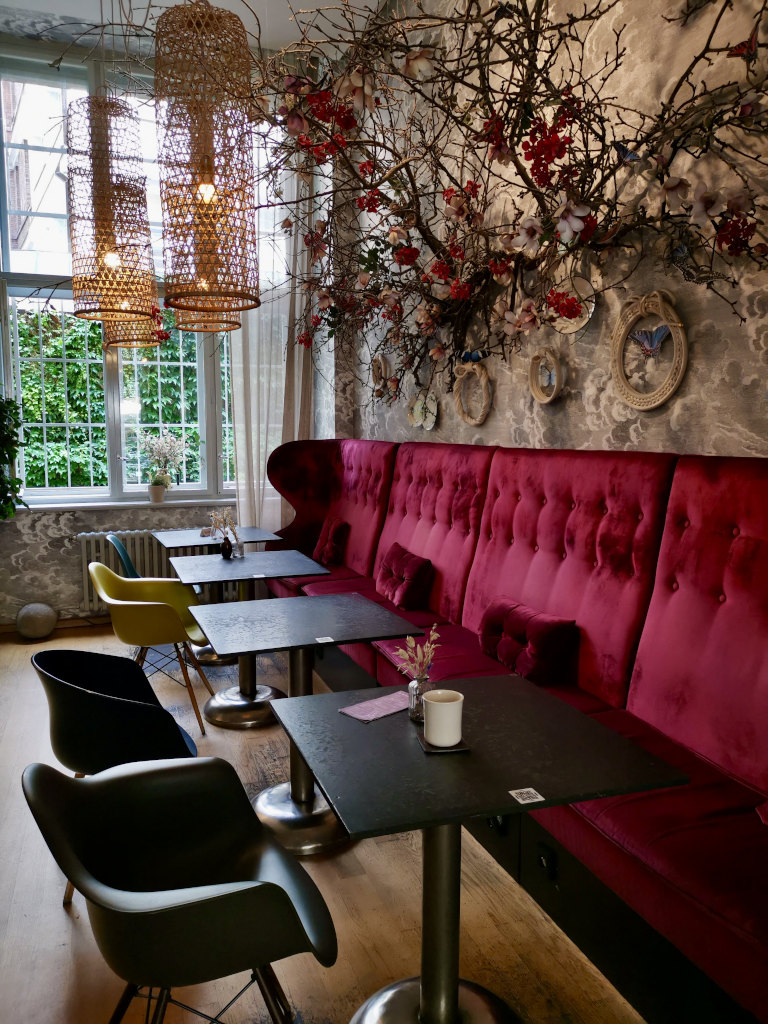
52 973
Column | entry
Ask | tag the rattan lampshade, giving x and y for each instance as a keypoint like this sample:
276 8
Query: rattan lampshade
211 322
202 88
133 334
112 273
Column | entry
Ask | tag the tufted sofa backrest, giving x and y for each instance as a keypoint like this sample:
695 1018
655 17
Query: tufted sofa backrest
435 506
575 534
346 479
701 674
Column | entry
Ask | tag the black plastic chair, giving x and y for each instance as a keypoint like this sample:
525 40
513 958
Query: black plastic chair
182 882
103 712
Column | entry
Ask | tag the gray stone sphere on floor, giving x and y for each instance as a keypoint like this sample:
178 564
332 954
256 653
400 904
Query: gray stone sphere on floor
36 621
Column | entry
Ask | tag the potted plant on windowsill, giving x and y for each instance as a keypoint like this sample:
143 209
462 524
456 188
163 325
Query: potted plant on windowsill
166 455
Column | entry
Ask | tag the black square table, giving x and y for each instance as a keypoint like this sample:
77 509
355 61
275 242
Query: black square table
294 811
247 705
527 749
173 539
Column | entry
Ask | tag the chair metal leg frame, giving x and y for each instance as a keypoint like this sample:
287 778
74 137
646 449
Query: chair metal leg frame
274 997
69 891
143 660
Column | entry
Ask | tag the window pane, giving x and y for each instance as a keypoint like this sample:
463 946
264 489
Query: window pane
227 432
62 397
158 393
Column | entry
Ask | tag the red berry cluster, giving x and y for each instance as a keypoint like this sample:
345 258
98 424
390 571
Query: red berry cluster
498 267
441 270
460 290
590 224
371 201
545 145
305 339
406 255
563 304
492 131
324 109
455 249
472 189
365 168
734 234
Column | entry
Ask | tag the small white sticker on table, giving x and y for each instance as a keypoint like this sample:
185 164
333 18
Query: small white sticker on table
323 639
526 796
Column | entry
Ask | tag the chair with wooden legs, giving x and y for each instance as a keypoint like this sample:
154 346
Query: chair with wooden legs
148 612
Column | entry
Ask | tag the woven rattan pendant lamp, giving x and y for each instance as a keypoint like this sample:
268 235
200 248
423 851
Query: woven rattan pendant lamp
202 90
113 276
134 334
208 323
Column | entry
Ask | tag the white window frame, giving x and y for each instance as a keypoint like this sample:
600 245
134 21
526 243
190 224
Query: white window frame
37 57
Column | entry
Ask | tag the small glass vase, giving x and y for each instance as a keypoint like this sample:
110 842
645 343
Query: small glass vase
416 690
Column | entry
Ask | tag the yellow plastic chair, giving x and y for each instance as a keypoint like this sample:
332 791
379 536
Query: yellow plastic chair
149 612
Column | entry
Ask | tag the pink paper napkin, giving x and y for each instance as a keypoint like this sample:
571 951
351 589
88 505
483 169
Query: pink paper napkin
370 710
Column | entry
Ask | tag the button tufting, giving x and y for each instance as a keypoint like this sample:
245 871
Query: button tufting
675 585
686 523
535 547
721 598
511 540
519 497
736 531
594 565
573 504
639 517
563 555
543 501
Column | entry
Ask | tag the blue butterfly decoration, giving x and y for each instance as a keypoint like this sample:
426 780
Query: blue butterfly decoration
546 376
651 341
628 156
474 356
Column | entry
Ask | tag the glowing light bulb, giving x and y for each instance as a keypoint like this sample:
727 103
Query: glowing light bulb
124 304
206 190
111 259
204 284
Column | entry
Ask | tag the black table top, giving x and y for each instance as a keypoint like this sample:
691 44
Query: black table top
254 565
379 780
253 627
171 539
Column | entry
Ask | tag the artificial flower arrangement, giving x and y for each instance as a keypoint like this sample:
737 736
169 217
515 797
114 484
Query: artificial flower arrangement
416 659
166 454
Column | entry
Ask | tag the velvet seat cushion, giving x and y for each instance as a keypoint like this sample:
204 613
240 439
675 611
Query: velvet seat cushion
405 579
689 859
539 647
332 542
457 656
293 586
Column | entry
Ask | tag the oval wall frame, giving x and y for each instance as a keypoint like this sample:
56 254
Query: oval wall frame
659 306
545 360
464 371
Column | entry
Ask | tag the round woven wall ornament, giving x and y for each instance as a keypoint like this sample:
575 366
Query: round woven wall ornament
464 372
647 329
545 376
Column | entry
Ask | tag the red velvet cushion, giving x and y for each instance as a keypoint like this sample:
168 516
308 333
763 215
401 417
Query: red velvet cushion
541 647
404 579
329 549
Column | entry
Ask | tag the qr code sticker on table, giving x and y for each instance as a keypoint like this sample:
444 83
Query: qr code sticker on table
526 796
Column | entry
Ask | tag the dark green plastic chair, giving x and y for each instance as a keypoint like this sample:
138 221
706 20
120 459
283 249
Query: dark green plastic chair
183 884
125 559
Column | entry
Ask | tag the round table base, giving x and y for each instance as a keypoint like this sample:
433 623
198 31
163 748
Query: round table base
207 656
301 828
231 709
398 1003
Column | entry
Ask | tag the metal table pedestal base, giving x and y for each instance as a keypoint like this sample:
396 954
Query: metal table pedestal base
233 709
304 828
399 1004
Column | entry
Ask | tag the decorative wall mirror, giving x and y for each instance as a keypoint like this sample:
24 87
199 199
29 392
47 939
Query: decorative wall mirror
649 351
545 376
579 288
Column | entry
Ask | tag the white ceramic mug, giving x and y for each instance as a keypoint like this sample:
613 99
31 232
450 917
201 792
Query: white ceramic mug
442 717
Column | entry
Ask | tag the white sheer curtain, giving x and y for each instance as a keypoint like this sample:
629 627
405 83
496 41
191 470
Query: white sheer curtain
271 377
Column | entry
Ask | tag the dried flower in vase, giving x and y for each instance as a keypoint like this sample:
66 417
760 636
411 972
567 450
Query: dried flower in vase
416 659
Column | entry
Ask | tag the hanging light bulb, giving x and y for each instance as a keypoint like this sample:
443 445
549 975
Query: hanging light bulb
113 275
205 148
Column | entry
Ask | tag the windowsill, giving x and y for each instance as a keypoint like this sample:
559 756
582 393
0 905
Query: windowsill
61 506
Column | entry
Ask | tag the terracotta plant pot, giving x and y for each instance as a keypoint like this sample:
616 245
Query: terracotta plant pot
156 493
